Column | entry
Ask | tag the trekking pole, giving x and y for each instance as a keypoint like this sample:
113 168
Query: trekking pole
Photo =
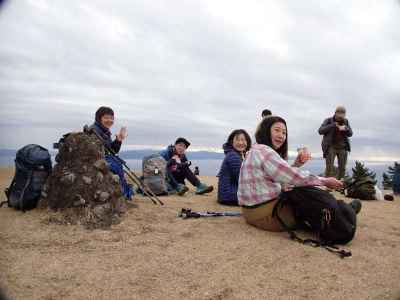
187 213
147 191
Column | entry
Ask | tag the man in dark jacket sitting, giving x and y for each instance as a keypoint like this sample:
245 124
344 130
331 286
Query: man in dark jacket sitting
335 142
178 168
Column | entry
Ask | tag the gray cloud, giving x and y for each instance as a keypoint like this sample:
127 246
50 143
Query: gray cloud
200 69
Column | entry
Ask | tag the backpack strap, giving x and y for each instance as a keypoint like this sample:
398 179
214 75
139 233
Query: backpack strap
281 202
334 249
20 200
4 202
7 192
314 243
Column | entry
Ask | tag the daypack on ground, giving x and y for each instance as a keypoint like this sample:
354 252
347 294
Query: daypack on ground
363 189
32 167
316 210
154 173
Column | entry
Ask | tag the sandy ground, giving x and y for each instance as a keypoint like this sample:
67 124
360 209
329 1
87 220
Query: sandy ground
153 254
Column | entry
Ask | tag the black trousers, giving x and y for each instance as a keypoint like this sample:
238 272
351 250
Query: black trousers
179 176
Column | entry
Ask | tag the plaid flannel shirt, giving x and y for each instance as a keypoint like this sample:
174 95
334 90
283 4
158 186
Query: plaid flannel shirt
262 174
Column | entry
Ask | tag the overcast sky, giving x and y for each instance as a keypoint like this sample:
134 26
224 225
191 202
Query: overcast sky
200 69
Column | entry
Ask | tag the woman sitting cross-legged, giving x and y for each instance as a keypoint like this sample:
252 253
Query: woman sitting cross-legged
265 176
238 143
178 168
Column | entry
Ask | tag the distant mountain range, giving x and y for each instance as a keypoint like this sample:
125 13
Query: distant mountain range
7 152
197 155
138 154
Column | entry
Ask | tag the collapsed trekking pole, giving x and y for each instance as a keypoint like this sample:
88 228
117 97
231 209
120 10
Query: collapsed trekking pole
187 213
146 190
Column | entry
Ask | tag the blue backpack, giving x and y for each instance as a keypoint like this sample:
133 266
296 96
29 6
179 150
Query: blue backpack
32 167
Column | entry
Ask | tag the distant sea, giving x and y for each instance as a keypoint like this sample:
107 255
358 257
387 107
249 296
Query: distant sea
210 167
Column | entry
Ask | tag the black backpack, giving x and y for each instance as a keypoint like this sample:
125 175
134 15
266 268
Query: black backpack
316 210
363 189
32 167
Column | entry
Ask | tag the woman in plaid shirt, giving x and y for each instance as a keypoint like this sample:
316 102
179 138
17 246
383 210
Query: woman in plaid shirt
265 173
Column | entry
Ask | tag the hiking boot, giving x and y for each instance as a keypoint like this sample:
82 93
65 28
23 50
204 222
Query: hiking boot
203 189
181 189
356 205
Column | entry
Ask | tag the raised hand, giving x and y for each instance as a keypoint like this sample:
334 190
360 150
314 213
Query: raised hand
122 134
302 157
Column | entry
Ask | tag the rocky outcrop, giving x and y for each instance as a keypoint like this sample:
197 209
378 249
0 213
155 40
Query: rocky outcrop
81 188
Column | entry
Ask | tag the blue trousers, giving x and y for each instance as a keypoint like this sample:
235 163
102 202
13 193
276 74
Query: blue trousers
116 167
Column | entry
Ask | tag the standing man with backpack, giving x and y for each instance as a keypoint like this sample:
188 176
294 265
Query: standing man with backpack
336 132
178 168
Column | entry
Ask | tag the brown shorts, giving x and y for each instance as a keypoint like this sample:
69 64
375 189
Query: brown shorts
261 216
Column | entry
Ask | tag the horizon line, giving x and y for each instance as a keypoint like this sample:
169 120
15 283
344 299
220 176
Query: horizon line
291 153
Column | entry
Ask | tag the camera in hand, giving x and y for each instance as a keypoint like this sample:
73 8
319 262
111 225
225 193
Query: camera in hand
340 122
174 163
184 164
